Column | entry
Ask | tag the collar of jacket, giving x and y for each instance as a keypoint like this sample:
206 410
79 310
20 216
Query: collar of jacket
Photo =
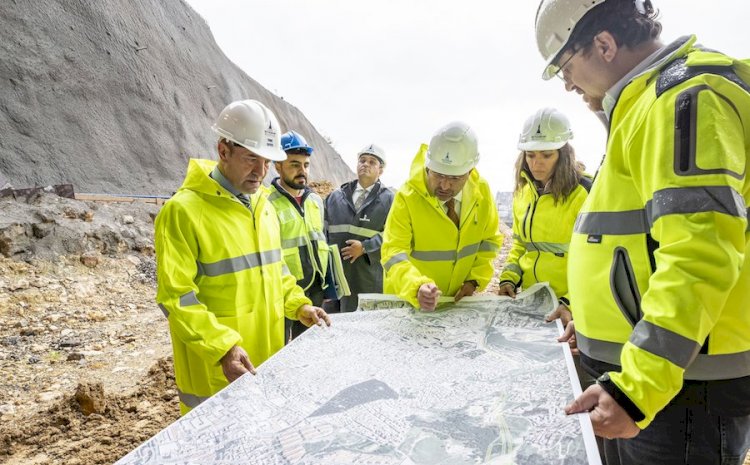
351 186
198 179
305 193
532 185
638 80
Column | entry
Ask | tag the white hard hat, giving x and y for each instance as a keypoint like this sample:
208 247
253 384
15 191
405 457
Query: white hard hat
453 150
252 125
555 21
547 129
374 150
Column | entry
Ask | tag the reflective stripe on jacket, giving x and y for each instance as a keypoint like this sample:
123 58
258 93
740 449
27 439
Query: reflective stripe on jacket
659 271
422 245
302 237
366 225
541 237
220 281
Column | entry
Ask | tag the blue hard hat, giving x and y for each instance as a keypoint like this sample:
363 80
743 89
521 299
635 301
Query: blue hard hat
293 141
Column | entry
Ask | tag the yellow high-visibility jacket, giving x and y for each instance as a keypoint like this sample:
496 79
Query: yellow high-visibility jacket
659 271
220 281
541 237
422 245
303 241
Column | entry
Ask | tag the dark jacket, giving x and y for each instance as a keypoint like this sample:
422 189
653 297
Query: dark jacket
343 222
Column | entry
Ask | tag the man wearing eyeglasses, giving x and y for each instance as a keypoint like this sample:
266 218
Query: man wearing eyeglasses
442 233
355 218
659 270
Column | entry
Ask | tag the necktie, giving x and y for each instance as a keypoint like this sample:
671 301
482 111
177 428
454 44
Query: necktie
360 200
245 200
451 205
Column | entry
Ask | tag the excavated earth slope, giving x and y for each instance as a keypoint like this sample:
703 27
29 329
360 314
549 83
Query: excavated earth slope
115 97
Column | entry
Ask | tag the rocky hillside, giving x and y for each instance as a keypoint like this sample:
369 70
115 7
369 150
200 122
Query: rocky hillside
116 96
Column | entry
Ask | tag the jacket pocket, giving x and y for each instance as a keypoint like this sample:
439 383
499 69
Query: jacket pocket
278 310
293 262
624 286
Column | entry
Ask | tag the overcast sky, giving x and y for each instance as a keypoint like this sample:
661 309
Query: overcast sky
394 71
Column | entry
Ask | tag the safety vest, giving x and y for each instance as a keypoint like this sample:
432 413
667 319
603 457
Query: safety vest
541 237
659 268
422 245
303 240
221 281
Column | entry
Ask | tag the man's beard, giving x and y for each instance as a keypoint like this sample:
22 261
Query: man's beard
294 185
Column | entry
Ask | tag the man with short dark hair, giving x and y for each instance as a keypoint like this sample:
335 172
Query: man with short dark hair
659 270
301 218
355 217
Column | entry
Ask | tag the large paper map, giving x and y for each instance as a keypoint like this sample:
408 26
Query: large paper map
482 381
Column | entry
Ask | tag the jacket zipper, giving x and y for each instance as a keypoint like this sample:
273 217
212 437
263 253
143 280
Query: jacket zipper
531 239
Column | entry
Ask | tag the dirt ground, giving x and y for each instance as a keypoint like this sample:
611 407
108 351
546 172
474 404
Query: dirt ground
85 357
83 347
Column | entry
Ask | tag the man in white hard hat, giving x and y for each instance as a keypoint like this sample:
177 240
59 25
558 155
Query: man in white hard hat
221 283
442 232
659 270
355 215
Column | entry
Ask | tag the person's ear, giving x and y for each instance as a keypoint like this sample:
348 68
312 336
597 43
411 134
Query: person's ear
606 46
277 165
224 150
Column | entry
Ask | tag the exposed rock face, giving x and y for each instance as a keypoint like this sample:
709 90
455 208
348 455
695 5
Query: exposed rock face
116 96
45 226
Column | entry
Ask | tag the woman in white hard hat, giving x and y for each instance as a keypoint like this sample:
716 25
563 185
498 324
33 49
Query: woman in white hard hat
550 189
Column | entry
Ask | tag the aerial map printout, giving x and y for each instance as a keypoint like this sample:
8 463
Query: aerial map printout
480 381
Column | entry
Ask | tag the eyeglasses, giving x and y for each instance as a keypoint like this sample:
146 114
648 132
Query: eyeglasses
561 68
444 177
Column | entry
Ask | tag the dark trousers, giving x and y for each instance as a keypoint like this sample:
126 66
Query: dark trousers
684 435
293 328
332 306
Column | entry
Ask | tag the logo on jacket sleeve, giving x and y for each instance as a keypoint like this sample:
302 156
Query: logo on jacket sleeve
594 239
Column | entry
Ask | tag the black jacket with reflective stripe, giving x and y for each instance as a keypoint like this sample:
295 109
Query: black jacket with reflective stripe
343 222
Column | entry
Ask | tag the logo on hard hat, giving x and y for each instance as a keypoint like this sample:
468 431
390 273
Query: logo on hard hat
270 135
447 159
